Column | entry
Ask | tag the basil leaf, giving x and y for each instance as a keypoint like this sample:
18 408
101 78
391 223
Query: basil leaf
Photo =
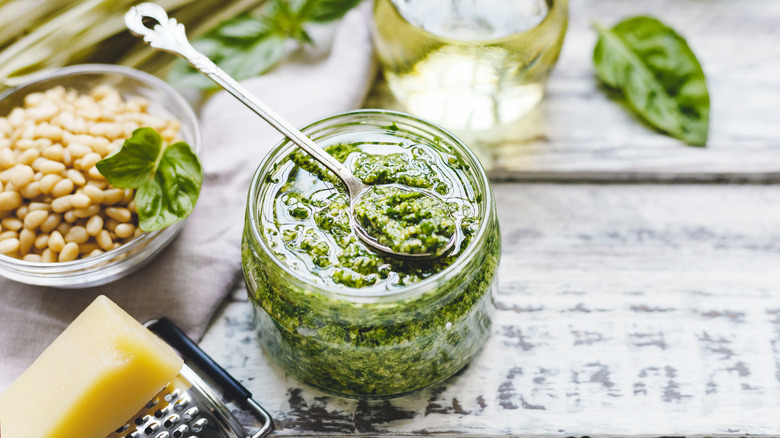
249 45
322 11
171 195
134 162
658 74
256 59
168 178
245 28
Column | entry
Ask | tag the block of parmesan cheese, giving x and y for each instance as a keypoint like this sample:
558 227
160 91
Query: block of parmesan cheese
95 376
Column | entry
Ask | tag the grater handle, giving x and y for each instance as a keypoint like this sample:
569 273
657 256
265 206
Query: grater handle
170 333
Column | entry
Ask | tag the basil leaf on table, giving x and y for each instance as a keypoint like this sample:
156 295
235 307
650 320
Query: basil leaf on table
658 74
168 177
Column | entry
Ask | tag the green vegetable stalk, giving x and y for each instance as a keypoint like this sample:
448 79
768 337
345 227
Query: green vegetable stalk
658 74
39 35
168 177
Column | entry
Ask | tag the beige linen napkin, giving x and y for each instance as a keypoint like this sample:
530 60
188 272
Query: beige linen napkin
193 275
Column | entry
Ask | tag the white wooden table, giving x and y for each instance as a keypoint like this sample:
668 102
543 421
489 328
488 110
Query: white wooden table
640 278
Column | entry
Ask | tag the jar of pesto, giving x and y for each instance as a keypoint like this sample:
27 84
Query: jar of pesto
337 315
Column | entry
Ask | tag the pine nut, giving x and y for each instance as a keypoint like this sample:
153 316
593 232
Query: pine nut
94 173
112 196
69 252
56 241
88 247
7 159
27 157
10 201
62 188
119 214
40 206
50 166
26 240
110 225
48 182
77 234
54 152
76 176
8 235
104 240
80 200
63 228
31 191
128 196
48 256
94 225
101 184
78 150
62 203
22 211
9 245
94 193
125 230
42 241
100 145
90 160
32 258
12 223
83 213
23 175
35 218
26 142
51 223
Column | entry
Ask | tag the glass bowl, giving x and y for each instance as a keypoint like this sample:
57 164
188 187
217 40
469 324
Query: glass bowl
381 340
119 262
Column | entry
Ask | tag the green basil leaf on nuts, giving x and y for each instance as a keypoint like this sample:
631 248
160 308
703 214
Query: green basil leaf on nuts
168 177
135 162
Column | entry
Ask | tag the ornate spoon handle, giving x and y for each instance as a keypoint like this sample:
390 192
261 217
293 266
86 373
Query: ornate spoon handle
168 35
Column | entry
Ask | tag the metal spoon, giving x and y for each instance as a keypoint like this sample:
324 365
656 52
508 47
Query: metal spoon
168 35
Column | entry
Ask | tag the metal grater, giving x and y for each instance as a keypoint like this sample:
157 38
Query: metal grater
188 407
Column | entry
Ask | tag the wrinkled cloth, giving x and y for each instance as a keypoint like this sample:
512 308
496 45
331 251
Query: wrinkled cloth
189 279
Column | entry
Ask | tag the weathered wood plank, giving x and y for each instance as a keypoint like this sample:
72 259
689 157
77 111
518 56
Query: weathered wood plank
630 310
582 132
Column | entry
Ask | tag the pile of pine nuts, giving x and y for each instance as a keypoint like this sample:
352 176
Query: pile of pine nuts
55 206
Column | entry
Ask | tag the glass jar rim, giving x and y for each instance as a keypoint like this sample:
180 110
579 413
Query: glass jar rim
556 7
357 295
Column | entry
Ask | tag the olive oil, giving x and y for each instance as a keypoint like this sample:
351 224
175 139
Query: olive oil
469 64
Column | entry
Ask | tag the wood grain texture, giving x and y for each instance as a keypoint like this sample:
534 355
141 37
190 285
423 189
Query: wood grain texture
583 132
623 310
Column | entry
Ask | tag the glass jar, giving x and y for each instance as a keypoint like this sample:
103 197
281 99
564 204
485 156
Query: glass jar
371 342
470 66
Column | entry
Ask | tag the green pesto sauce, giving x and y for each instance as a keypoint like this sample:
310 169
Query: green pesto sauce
405 220
375 348
311 230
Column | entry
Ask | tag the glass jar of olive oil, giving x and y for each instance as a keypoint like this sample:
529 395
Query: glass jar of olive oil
469 65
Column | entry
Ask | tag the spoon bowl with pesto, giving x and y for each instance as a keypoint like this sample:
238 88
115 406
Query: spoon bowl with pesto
396 220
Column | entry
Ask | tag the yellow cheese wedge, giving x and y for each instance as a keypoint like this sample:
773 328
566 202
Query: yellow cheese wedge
95 376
